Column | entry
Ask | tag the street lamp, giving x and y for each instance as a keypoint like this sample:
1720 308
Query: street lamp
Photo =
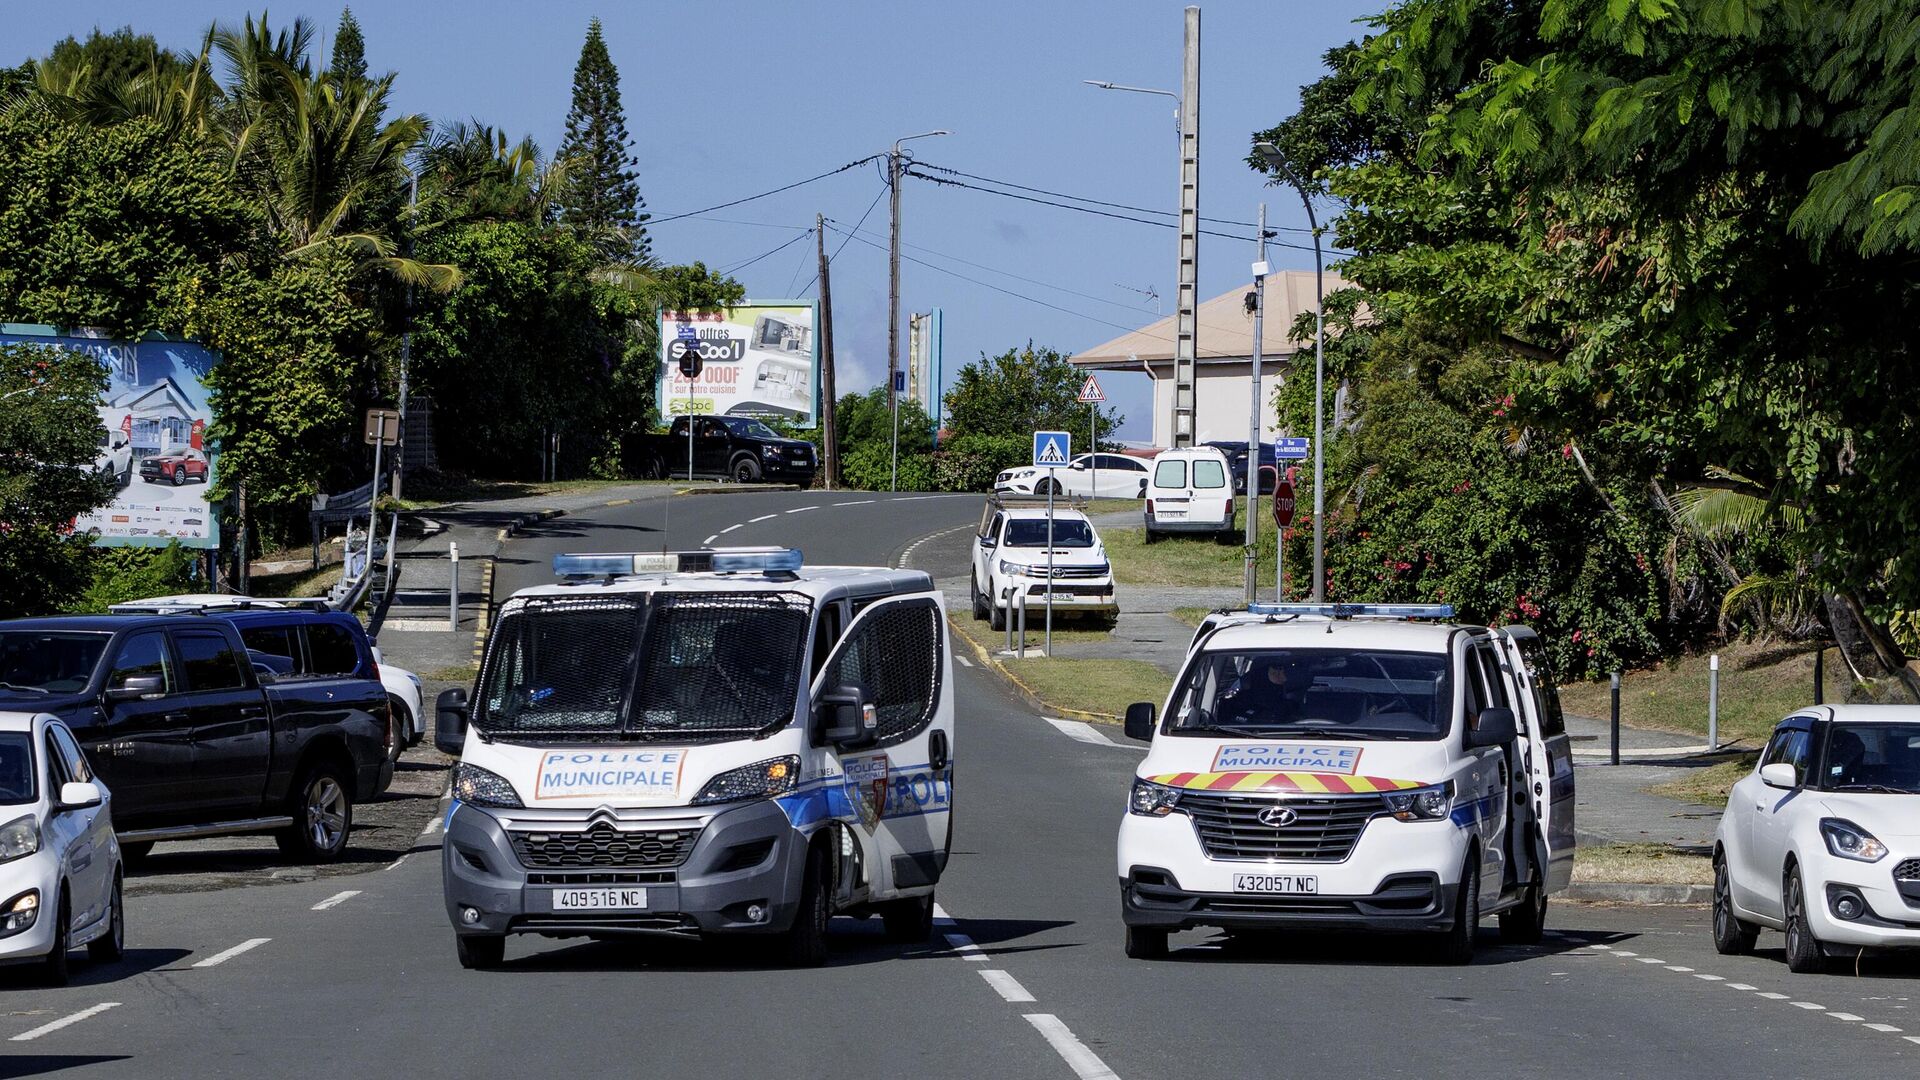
1143 90
893 298
1270 155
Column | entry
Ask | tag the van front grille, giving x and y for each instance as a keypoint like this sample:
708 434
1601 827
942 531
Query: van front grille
602 845
1323 829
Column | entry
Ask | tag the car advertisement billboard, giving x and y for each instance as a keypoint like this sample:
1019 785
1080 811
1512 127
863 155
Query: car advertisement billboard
154 417
759 358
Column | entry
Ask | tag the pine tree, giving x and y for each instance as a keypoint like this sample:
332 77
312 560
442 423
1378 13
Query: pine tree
602 197
349 49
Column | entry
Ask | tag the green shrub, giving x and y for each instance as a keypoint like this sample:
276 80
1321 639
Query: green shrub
869 467
970 462
123 574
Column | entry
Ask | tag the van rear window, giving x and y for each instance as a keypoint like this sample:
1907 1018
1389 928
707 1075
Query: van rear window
1208 473
1170 474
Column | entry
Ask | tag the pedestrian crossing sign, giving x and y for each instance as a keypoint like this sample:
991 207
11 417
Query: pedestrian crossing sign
1051 449
1090 393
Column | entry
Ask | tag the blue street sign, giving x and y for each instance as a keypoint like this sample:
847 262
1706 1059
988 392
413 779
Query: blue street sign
685 333
1290 449
1052 449
899 382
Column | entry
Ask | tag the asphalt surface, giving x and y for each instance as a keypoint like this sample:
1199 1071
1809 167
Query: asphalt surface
356 976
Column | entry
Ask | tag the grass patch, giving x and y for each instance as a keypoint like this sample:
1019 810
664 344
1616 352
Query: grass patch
1192 616
1076 631
458 673
1760 684
1642 864
1102 687
298 583
1193 560
428 492
1708 786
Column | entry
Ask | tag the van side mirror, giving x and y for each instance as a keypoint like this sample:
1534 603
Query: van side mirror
1140 721
79 795
1493 727
136 687
843 717
450 721
1780 774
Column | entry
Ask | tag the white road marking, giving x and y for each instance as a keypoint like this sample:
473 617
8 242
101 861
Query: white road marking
1678 968
1078 732
761 518
65 1021
1848 1017
434 826
964 662
1915 1039
1808 1005
1771 996
1887 1028
228 954
709 540
1650 960
858 502
1084 1062
964 945
727 530
395 864
802 509
1006 985
1741 986
940 915
1709 978
1598 945
336 899
1623 952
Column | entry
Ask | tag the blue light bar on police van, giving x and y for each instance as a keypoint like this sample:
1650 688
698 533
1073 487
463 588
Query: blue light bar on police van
1349 611
742 560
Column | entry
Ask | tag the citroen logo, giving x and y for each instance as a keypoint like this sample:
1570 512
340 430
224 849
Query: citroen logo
1277 816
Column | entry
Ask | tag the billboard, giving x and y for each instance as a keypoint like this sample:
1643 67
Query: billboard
924 363
152 437
760 358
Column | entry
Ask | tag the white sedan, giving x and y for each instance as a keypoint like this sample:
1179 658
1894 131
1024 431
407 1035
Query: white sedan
60 865
1102 476
1822 840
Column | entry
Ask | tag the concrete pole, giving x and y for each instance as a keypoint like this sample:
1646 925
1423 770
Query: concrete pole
1319 412
1253 419
829 453
1186 321
453 586
893 311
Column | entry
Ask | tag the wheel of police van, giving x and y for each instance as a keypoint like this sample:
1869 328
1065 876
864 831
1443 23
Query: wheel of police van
909 921
1146 943
322 812
112 945
1523 924
805 942
746 470
1731 936
1456 944
1804 954
53 969
980 602
478 952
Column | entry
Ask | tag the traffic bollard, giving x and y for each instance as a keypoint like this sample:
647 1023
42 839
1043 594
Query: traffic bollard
453 587
1713 702
1616 718
1820 674
1023 624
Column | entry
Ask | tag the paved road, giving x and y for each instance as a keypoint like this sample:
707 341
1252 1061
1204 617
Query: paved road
356 976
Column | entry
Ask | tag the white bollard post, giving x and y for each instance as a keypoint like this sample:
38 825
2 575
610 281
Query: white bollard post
453 587
1713 702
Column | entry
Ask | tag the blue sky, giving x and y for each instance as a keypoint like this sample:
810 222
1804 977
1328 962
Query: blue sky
727 99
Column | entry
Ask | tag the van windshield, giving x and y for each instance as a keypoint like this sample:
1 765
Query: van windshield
1316 693
659 667
37 663
1032 532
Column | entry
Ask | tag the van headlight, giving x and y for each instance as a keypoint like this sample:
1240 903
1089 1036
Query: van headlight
1850 841
19 838
760 780
1429 803
1152 800
483 787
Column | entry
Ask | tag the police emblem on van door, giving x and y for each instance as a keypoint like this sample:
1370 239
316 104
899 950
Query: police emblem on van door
1277 816
867 787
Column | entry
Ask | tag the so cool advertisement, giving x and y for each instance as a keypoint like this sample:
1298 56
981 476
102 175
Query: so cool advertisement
758 359
152 437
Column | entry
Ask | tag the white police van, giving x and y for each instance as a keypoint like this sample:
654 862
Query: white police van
1334 766
706 742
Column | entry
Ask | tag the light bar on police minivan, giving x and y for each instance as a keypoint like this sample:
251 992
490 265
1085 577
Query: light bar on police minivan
740 560
1349 611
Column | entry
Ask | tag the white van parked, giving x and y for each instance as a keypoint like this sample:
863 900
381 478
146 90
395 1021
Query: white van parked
1342 766
1189 490
722 741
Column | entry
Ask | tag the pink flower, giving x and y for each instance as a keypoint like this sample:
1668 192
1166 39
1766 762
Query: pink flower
1576 636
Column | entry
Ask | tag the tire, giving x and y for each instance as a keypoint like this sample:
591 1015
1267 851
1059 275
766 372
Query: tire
399 722
1804 954
996 617
1151 535
656 467
54 969
909 921
133 853
1146 943
980 603
1731 936
1524 924
1049 486
322 810
179 476
746 470
1456 944
479 952
109 947
805 942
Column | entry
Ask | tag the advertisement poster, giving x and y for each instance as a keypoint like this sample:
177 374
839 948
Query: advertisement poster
759 359
152 438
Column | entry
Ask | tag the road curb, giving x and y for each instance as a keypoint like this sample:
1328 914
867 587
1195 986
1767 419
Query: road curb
1611 892
988 661
735 489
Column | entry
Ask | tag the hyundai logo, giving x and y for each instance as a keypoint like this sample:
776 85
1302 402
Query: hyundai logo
1277 816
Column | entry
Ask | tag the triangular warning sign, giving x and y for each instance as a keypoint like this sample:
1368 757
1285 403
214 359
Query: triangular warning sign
1090 391
1051 453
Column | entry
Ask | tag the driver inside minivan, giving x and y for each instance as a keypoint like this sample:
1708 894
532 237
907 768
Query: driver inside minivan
1273 689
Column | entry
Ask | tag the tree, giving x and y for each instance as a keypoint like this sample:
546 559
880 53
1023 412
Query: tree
349 50
1019 392
602 197
48 424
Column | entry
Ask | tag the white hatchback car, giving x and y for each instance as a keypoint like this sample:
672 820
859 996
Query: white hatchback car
60 868
1822 840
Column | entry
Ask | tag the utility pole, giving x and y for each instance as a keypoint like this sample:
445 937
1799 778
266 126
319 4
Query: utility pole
829 452
1253 421
1186 322
894 160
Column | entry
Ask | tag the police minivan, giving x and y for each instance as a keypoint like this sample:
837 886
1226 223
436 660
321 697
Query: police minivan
723 741
1349 766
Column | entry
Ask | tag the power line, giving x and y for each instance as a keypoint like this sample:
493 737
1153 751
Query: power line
1008 273
843 244
764 194
1115 205
742 266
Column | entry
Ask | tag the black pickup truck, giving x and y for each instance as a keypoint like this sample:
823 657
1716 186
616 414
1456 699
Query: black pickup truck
193 738
738 448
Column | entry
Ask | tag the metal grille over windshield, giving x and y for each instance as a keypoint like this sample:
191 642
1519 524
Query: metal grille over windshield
721 663
561 665
895 661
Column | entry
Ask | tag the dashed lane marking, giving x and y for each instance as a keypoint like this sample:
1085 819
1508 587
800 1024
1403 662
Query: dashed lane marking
858 502
1847 1016
336 899
1749 987
1915 1039
965 947
709 539
761 518
1709 978
1771 996
802 509
1888 1029
1084 1062
964 662
1650 960
1077 731
1006 986
728 529
227 954
1808 1005
65 1021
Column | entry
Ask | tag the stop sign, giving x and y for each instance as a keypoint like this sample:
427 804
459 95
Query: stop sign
1283 504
